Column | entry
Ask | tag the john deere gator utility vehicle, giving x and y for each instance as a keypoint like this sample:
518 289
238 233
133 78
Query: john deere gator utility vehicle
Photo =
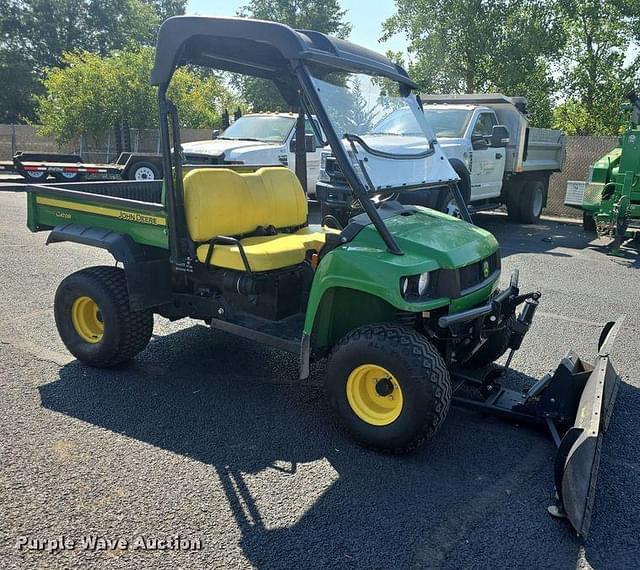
404 301
610 198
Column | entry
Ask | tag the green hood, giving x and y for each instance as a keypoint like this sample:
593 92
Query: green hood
430 240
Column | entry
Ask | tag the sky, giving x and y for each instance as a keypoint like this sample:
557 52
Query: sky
366 17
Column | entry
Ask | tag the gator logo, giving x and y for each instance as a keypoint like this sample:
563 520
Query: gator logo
485 269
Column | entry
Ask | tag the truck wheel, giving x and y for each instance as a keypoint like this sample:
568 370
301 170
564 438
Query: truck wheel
68 176
588 223
94 320
532 201
495 346
389 385
339 215
144 170
448 204
34 175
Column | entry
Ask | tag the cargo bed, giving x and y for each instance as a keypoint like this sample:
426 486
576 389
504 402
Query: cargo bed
129 207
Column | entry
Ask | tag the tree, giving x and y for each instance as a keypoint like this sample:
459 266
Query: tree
88 93
472 46
320 15
34 35
594 69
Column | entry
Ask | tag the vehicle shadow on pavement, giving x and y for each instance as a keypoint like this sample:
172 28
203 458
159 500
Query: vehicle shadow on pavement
474 497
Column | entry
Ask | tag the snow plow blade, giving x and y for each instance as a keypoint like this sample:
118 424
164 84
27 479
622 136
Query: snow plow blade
578 457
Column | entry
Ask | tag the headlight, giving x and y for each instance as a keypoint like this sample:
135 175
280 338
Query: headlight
423 284
323 159
415 286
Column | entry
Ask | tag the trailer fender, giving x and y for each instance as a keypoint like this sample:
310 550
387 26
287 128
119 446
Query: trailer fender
147 268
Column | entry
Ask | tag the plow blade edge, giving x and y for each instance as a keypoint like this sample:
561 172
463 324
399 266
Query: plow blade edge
578 457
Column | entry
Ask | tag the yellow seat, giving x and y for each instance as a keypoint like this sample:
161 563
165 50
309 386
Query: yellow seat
223 202
265 253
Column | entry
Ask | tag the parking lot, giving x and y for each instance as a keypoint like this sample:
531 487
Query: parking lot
213 438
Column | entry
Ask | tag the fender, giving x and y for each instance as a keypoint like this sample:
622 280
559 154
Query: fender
147 268
465 176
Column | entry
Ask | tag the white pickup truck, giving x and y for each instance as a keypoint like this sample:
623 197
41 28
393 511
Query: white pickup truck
259 138
514 171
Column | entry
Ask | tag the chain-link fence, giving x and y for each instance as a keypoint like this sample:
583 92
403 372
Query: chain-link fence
581 153
99 149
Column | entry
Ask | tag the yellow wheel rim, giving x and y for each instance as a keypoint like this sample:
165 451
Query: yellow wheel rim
87 320
374 395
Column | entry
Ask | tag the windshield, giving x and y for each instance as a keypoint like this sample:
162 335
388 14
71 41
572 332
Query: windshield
260 128
361 105
448 123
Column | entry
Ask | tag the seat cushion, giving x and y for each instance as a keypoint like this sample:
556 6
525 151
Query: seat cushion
223 202
265 253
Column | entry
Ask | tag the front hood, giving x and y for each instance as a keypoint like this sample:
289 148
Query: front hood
220 146
432 240
446 143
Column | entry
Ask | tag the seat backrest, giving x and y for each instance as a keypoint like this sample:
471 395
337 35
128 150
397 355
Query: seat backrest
223 202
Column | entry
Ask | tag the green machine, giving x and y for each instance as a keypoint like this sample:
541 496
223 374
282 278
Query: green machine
610 198
404 303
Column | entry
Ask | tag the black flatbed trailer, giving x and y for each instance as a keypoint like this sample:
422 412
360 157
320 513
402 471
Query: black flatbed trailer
37 167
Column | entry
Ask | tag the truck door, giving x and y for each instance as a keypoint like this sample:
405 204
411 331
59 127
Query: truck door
487 164
313 158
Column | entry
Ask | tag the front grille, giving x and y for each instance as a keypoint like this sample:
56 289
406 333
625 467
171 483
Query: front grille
193 158
476 273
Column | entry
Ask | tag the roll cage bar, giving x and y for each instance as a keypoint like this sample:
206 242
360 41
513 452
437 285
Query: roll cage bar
267 50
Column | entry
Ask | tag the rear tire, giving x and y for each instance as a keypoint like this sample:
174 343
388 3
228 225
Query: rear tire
494 347
532 201
94 319
372 364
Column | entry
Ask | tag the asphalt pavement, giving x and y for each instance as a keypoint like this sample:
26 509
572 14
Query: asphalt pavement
212 438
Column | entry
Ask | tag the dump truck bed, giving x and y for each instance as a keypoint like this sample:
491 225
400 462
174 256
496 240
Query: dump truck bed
133 208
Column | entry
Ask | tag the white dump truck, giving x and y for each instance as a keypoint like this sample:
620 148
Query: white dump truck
496 165
499 159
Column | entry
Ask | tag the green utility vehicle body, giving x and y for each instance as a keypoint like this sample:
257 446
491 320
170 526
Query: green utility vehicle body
403 302
349 274
610 198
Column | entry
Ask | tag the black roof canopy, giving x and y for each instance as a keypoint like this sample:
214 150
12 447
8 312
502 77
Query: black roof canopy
259 48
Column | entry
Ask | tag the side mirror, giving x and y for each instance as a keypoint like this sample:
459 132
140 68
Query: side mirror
215 133
309 143
499 136
478 142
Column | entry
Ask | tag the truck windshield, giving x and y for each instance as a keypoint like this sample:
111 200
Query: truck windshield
359 105
261 128
448 123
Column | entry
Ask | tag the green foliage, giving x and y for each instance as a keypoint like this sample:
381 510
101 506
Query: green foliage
320 15
36 33
89 93
595 70
473 46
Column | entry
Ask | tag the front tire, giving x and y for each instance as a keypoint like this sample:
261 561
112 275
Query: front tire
94 319
390 387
